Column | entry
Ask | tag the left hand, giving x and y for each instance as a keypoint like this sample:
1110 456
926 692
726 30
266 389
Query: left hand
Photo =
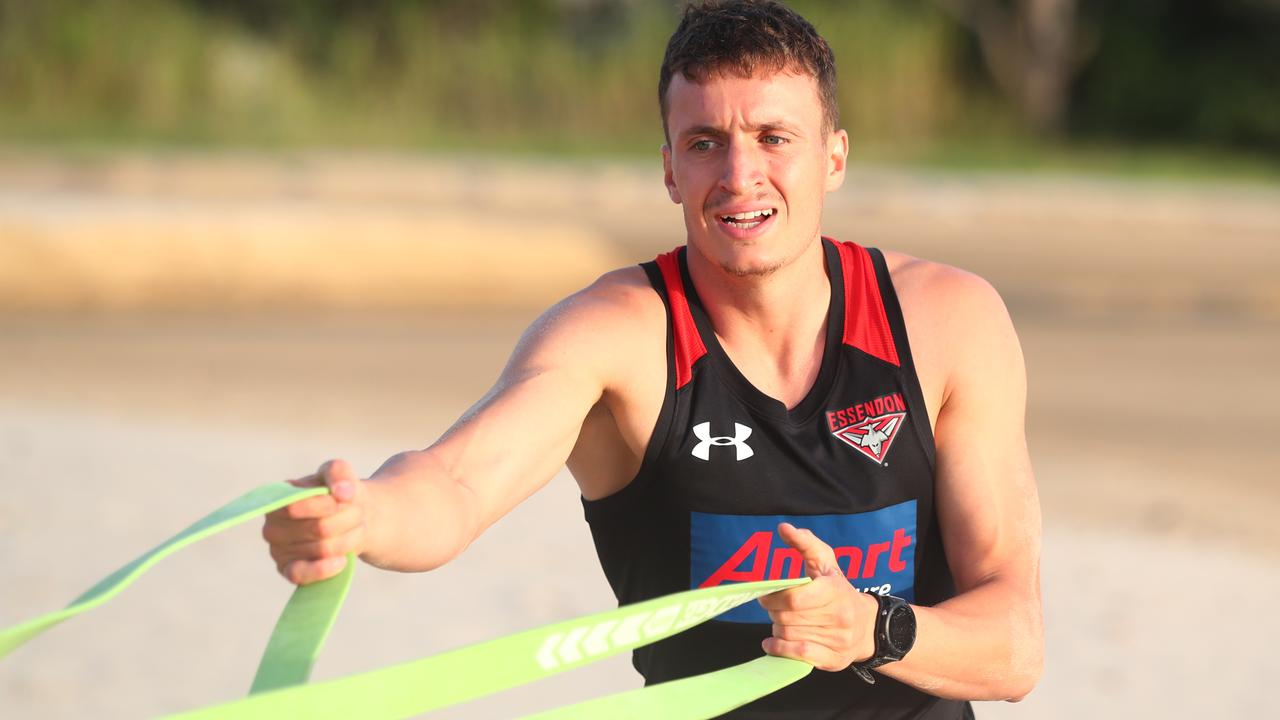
826 623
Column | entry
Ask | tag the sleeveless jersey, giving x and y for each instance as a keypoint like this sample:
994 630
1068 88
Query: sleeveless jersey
853 462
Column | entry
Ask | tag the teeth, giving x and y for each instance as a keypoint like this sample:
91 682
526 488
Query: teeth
748 216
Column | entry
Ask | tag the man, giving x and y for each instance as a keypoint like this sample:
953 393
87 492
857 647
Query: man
760 402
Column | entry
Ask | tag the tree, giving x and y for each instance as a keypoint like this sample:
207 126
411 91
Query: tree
1032 49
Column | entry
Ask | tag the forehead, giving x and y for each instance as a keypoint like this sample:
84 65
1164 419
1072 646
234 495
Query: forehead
725 100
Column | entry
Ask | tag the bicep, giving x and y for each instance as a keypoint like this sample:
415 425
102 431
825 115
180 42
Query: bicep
988 507
514 440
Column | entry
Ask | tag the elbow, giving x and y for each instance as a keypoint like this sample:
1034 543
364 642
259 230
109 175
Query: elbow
1015 671
1025 659
1023 674
1021 686
1010 684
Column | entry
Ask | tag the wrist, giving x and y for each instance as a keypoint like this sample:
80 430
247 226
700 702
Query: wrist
894 635
865 647
368 498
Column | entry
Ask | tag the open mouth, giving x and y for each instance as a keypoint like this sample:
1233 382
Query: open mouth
747 220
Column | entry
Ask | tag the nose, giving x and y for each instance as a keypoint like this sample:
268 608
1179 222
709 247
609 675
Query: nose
742 168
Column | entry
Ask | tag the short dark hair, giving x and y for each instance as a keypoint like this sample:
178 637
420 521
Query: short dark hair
743 37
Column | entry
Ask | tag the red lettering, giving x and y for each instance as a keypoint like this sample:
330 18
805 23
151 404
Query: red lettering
854 414
900 540
758 544
751 560
855 560
783 555
873 555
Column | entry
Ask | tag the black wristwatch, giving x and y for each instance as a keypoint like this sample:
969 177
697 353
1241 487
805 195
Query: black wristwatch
895 635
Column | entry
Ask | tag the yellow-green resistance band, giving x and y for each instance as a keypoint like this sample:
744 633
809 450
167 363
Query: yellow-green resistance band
246 507
459 675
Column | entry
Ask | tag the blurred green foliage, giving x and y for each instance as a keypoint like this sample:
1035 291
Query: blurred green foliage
580 76
1184 70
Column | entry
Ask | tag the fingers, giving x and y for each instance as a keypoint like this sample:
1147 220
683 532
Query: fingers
822 622
822 591
306 509
814 653
343 486
819 564
305 572
819 558
284 530
309 539
828 637
799 632
311 560
340 478
818 645
812 616
318 549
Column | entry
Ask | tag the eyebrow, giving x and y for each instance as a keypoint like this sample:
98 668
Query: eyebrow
768 126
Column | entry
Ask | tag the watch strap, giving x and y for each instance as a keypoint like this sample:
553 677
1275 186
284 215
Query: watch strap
884 652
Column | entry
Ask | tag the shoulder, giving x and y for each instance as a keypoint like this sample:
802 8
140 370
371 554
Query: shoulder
624 290
956 320
599 324
933 289
617 301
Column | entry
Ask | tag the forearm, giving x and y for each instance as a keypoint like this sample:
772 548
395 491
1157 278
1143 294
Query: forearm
419 517
984 644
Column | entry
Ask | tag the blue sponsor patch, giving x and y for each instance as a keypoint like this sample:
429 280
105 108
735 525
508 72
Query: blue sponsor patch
876 550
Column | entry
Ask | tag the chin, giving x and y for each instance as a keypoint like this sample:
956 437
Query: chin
751 269
749 264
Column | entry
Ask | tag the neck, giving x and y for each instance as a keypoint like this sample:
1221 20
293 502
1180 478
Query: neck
772 326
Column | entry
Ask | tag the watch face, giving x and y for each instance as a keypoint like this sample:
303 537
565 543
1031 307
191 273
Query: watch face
901 628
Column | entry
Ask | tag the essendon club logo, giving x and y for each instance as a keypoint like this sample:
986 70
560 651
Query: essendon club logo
870 427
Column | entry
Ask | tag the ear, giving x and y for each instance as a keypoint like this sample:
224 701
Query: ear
837 159
667 177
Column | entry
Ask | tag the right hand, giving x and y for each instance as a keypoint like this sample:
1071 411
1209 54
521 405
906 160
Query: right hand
311 538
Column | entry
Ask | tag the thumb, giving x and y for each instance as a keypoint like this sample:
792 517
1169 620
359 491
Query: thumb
819 558
340 478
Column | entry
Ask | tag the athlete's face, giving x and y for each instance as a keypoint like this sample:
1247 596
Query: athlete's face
750 162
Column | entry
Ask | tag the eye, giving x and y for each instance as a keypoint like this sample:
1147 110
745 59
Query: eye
703 145
774 140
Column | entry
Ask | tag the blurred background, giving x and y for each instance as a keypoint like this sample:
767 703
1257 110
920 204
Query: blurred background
238 238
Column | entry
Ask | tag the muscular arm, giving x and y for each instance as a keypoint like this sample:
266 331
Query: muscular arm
422 508
987 642
431 504
426 506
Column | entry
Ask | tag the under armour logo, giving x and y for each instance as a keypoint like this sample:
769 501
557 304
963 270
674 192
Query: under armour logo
741 432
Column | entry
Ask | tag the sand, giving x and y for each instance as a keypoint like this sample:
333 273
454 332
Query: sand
1151 422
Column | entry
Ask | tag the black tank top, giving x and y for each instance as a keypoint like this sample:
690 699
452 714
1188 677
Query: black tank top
853 462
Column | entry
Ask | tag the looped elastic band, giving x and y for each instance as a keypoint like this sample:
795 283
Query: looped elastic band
280 686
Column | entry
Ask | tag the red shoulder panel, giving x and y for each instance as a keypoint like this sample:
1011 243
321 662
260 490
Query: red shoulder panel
688 343
866 326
